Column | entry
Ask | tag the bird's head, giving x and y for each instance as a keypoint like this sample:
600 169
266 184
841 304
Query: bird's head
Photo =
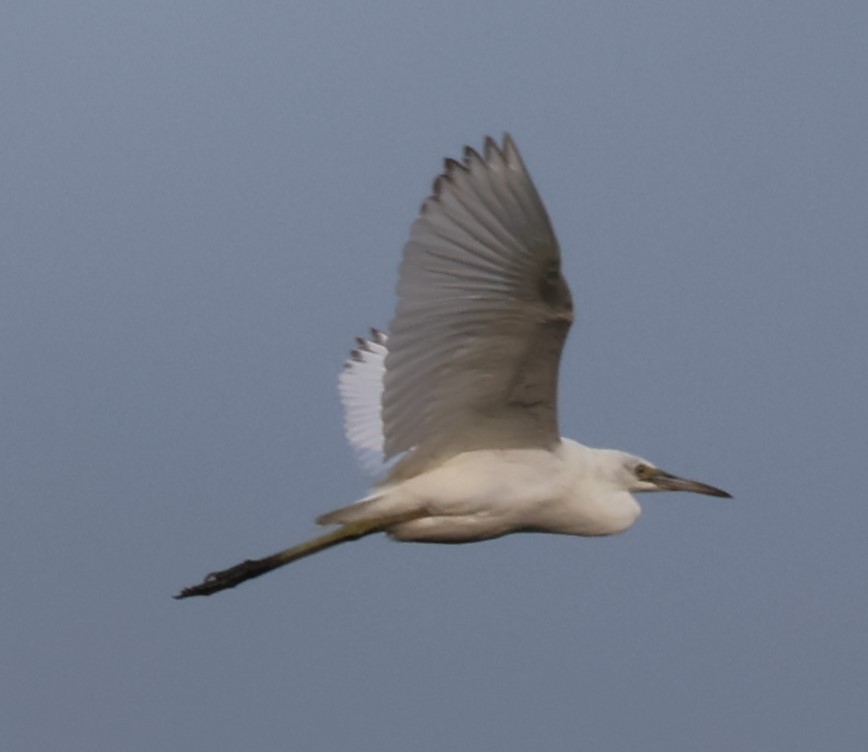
640 475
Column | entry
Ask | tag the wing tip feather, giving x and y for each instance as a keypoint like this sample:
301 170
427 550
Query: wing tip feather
507 152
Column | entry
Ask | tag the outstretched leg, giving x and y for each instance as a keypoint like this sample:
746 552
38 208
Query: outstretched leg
247 570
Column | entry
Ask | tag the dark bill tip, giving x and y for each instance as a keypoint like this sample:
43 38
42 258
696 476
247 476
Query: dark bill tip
666 482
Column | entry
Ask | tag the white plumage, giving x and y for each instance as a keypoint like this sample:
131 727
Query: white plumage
360 385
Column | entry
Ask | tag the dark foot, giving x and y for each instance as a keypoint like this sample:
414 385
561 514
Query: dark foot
226 578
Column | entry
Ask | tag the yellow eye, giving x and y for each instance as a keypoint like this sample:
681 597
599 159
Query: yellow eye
642 472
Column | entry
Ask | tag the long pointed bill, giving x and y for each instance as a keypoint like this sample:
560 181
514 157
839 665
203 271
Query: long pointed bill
667 482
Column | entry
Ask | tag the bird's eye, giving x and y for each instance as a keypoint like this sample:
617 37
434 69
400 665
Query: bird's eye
642 471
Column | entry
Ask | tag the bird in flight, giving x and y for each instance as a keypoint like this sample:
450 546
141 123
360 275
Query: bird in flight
458 403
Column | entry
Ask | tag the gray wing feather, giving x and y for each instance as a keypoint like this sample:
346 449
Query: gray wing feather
482 316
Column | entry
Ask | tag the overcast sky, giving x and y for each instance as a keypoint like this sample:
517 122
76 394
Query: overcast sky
202 205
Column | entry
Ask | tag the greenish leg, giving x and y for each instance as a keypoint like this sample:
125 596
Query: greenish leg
247 570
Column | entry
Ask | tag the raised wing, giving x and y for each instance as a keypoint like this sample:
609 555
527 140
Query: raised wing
482 316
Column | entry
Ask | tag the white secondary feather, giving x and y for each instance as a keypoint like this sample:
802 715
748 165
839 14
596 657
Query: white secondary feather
361 388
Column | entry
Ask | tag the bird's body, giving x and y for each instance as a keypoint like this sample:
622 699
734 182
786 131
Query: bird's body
488 493
458 405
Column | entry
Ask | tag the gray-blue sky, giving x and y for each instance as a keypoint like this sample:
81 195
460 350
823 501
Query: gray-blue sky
204 202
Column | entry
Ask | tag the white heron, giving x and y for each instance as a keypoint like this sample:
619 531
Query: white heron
461 397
